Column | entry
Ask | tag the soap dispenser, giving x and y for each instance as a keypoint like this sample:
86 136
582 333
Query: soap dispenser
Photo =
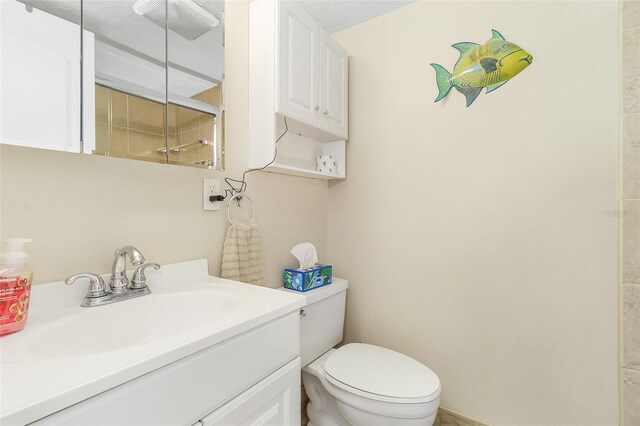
15 286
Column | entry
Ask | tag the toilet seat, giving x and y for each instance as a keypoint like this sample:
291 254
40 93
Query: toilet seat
381 374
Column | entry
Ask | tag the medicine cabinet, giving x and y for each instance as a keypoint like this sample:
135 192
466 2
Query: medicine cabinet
139 79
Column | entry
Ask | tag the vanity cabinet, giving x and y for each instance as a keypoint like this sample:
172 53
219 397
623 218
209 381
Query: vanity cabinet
270 402
253 378
298 84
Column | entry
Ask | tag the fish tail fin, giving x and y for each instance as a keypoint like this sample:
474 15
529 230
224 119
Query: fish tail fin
443 80
471 93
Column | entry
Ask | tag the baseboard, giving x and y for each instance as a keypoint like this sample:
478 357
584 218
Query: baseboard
451 418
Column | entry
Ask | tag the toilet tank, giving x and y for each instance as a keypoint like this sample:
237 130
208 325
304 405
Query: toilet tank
322 319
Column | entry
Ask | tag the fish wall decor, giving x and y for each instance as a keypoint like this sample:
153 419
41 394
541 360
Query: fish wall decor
489 65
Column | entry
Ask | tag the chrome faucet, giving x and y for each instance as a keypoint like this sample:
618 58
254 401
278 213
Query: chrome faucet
119 279
119 287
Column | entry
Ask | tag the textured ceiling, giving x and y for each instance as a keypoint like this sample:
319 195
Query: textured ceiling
336 15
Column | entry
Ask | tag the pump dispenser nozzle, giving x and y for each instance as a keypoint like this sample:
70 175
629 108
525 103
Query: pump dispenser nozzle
15 254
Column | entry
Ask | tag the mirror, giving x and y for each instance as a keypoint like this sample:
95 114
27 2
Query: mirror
196 31
128 63
150 85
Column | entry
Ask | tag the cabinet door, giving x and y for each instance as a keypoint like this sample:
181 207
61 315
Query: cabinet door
40 69
186 390
273 401
335 90
298 60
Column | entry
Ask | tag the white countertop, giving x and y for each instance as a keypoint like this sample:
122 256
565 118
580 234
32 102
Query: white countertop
67 353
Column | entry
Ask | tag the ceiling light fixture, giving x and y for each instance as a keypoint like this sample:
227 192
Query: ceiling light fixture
185 17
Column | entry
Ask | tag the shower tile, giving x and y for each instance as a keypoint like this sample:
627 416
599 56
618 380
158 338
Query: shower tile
631 391
102 105
146 116
206 119
190 120
205 153
119 109
189 136
631 326
102 138
630 14
631 242
192 152
172 118
631 71
145 145
173 141
631 156
119 146
206 132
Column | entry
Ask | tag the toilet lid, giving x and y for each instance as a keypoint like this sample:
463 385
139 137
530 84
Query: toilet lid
381 374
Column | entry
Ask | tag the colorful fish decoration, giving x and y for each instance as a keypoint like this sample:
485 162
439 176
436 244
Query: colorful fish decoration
489 65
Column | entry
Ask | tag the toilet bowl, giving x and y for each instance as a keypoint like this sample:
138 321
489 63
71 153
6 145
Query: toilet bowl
358 384
344 392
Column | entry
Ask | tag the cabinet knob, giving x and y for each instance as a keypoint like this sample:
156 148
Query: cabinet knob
326 112
316 108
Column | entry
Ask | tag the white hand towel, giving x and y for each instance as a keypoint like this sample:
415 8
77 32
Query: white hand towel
242 258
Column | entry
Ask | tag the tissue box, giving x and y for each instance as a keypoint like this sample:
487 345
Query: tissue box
307 279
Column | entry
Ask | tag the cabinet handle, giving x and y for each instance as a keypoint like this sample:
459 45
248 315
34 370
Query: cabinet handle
326 112
316 108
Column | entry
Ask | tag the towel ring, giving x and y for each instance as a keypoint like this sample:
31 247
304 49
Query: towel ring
240 195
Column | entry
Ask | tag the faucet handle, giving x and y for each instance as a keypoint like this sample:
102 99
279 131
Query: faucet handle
97 286
139 280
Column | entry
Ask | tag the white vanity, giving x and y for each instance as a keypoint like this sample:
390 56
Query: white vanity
199 350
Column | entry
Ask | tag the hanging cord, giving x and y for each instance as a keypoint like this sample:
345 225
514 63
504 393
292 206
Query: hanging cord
243 183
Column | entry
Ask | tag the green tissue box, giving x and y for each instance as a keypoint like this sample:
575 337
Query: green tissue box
307 279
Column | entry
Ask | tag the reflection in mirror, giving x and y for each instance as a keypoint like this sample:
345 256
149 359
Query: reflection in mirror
129 118
192 137
41 74
195 55
129 126
119 96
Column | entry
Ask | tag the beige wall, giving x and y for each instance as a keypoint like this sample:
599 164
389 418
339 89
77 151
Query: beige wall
482 240
79 208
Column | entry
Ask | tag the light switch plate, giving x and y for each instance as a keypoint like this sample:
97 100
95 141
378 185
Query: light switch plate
210 187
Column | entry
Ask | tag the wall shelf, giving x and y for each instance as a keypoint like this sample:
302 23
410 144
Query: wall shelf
298 171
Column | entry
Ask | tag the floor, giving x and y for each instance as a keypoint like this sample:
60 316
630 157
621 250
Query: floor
445 417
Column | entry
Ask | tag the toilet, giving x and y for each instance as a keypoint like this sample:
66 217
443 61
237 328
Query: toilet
358 384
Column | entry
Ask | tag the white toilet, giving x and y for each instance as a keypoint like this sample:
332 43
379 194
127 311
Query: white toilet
358 384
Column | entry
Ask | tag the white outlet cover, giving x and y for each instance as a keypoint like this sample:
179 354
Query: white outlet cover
210 187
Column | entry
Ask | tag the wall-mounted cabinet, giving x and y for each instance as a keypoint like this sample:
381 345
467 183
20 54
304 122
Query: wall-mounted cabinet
298 81
121 79
41 78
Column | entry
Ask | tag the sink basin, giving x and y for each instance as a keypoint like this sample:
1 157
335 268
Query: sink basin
138 321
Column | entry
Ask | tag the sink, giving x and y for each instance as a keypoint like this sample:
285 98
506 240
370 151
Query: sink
68 353
139 321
